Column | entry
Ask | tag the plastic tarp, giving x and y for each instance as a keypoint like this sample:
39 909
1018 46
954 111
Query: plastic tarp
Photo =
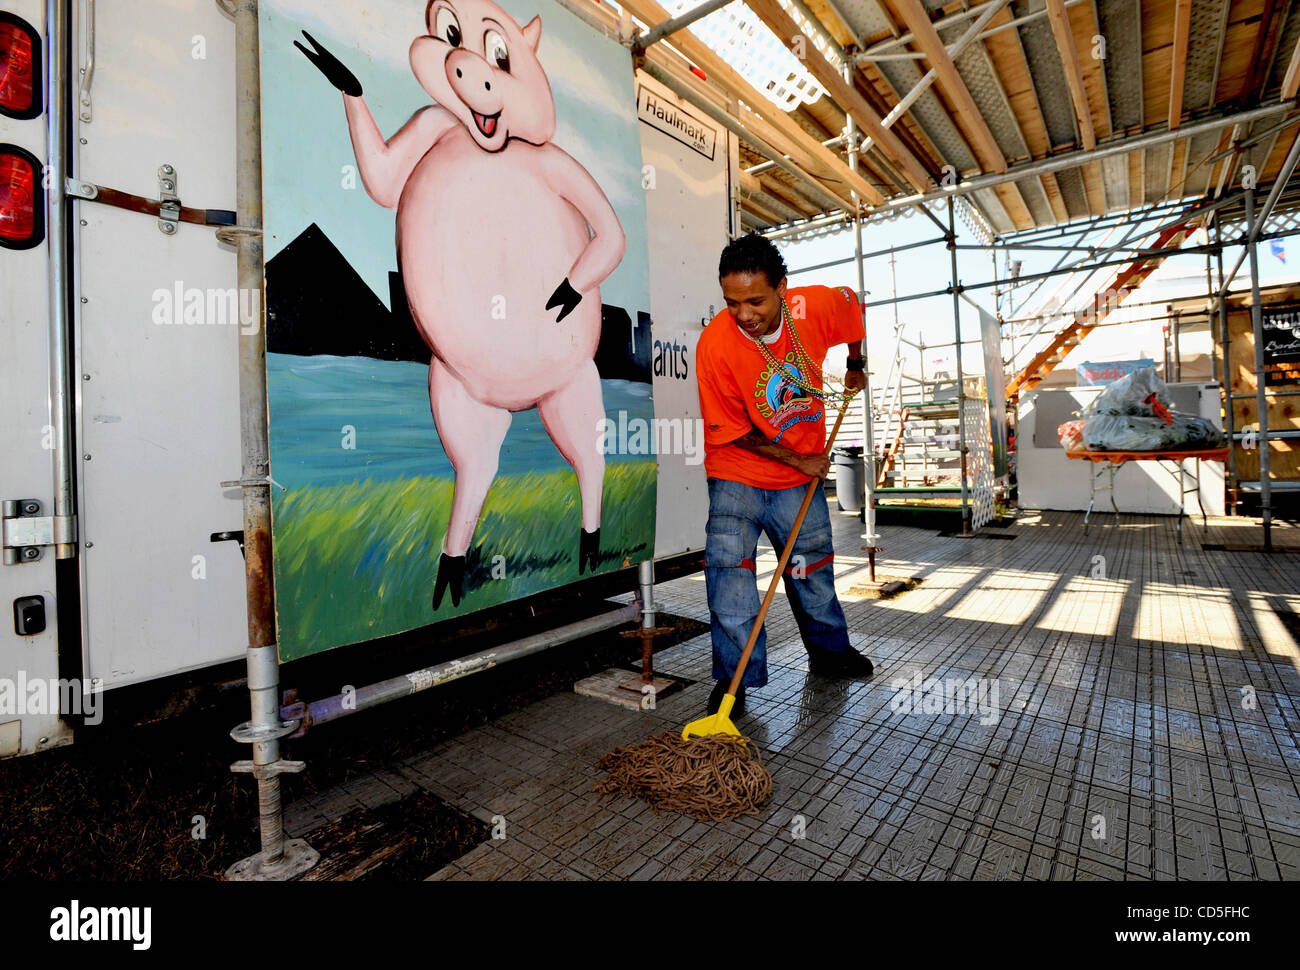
1132 414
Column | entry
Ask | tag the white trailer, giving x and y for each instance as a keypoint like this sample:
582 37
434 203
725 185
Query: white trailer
121 370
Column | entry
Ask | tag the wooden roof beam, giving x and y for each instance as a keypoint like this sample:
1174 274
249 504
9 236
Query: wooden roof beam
1261 55
1291 83
1178 63
789 197
1073 73
754 192
845 94
927 38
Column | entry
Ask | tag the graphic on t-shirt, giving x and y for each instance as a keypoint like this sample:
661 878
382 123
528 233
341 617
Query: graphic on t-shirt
781 400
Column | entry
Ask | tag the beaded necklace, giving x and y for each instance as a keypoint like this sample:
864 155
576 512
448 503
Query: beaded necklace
801 357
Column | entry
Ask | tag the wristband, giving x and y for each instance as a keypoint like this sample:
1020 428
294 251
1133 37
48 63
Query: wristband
857 364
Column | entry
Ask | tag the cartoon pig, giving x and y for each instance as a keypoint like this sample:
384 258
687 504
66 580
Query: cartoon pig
495 226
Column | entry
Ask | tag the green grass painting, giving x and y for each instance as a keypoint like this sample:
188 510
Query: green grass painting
357 561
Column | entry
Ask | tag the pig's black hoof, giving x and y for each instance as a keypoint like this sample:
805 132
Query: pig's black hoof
565 297
331 67
588 549
451 574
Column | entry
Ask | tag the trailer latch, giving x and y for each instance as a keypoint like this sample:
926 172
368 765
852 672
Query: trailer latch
169 208
26 530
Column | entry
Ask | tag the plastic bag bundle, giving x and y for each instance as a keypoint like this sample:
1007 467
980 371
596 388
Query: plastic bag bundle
1130 415
1134 393
1136 432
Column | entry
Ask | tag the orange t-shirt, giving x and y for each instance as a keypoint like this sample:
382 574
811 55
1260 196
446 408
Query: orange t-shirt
738 387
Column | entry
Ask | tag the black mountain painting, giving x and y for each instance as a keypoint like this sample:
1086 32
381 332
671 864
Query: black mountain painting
316 303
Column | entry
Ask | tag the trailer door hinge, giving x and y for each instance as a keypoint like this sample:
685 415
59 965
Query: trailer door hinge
26 531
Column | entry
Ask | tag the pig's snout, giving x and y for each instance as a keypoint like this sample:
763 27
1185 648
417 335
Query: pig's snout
470 77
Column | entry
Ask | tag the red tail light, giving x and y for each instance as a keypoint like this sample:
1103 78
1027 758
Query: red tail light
20 68
22 212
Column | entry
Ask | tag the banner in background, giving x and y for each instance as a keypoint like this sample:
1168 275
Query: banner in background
995 380
1108 371
1281 328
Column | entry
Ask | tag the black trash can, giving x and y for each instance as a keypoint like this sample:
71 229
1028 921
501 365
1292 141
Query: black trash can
850 478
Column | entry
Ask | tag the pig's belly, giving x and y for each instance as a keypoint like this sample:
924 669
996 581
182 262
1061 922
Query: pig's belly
483 243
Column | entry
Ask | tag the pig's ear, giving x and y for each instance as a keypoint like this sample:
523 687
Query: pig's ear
533 32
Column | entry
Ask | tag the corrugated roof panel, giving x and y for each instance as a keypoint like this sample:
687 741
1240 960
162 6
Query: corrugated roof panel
981 80
866 19
1076 200
1114 180
927 112
1199 170
1047 74
994 211
1121 26
1204 42
1031 190
1158 160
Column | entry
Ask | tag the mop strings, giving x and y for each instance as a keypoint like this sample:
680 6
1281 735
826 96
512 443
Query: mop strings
716 777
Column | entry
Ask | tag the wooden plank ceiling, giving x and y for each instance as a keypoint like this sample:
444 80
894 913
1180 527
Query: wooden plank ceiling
1041 78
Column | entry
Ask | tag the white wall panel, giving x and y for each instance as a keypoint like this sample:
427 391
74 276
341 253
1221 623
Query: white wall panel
687 209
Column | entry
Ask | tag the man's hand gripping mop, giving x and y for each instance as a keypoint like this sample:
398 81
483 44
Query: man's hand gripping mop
711 770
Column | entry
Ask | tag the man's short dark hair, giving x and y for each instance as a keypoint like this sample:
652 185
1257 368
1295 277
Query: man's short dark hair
752 254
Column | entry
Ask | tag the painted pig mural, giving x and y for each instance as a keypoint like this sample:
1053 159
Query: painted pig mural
503 240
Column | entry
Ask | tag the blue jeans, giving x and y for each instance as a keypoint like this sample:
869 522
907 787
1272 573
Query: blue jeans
737 513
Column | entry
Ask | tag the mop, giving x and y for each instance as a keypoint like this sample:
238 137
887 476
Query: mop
710 770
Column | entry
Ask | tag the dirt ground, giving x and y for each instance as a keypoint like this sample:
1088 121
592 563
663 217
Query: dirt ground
159 801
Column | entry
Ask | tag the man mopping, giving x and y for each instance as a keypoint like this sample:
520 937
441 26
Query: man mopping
760 383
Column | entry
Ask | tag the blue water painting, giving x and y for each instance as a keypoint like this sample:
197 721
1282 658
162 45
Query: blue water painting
320 404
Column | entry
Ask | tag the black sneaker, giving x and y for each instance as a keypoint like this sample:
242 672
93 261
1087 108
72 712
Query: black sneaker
719 692
848 663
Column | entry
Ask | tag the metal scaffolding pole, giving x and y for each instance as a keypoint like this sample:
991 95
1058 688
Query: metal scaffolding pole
1225 342
1252 233
868 422
1209 291
1085 226
890 251
669 27
280 858
762 167
1119 145
1126 261
1012 307
961 380
1261 400
315 713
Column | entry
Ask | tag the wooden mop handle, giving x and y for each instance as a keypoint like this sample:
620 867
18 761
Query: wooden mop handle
780 566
